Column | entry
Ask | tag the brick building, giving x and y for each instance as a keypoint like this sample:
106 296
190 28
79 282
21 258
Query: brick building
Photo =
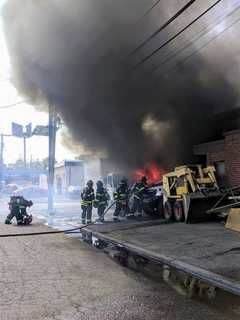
224 154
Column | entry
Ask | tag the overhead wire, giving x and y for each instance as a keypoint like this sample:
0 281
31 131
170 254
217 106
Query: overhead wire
174 17
175 36
201 34
135 23
150 9
133 68
211 40
13 104
161 28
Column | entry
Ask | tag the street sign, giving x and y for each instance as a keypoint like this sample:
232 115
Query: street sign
17 130
28 132
40 131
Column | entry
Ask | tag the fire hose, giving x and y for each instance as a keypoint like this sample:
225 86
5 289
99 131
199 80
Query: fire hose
67 231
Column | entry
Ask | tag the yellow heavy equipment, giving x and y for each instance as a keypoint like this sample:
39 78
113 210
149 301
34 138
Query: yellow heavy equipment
188 192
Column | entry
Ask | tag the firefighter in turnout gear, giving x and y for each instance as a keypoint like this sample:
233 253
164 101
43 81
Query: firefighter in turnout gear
87 198
101 200
121 197
138 190
18 209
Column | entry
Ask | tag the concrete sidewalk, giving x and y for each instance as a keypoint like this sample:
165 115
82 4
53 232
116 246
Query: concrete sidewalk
58 277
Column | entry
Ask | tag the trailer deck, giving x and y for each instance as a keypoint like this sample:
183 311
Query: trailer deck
207 251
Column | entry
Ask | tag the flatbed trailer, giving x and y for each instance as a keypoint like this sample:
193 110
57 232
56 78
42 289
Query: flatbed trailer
203 256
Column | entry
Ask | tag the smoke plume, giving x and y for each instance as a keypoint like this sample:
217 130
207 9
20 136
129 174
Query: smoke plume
72 55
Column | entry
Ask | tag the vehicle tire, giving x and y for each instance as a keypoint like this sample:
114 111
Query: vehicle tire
160 208
168 211
149 210
178 211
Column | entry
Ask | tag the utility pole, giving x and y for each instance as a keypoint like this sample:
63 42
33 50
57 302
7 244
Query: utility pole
1 156
24 152
1 159
52 127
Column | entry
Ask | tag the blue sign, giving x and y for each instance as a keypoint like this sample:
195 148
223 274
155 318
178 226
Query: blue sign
28 132
17 130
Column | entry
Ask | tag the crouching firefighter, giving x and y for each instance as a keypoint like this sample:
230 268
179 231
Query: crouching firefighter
18 208
121 197
138 191
87 198
101 200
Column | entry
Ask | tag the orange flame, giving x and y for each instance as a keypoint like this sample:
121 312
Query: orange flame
152 171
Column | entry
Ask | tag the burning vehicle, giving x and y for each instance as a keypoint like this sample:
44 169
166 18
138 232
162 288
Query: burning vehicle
152 197
153 200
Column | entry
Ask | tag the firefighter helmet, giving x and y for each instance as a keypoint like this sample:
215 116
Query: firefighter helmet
90 183
99 183
123 182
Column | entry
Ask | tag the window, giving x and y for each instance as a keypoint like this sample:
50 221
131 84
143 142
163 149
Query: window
220 168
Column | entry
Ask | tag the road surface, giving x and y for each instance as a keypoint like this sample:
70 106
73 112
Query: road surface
57 277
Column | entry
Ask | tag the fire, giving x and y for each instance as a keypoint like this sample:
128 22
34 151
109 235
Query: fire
152 171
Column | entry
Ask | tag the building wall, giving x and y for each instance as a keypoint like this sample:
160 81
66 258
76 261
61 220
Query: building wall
227 151
77 172
213 157
232 157
75 176
69 174
60 174
92 169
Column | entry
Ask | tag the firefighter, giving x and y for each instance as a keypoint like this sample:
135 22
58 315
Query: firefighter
101 200
18 209
87 198
138 190
121 197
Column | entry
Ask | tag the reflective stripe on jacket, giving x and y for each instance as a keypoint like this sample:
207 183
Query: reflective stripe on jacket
87 196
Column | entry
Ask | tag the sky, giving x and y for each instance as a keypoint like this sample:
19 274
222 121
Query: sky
37 147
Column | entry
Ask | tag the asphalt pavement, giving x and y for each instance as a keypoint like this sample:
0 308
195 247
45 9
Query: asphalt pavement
58 277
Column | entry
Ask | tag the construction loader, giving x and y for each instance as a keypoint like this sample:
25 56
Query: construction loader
188 192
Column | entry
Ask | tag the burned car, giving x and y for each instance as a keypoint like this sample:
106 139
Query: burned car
152 200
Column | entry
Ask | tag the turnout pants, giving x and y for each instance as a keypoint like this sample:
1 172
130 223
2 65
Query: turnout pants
100 211
121 208
12 214
137 205
86 213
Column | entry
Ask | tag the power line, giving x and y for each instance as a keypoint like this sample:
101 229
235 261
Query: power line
164 26
135 23
175 36
13 105
149 10
202 34
208 42
184 8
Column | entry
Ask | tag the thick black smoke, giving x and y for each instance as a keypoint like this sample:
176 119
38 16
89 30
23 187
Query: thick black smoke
71 54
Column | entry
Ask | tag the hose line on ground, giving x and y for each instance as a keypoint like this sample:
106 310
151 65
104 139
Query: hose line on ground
44 232
67 231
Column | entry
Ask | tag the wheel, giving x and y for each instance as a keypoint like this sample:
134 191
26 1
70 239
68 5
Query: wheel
178 211
160 208
168 212
148 209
